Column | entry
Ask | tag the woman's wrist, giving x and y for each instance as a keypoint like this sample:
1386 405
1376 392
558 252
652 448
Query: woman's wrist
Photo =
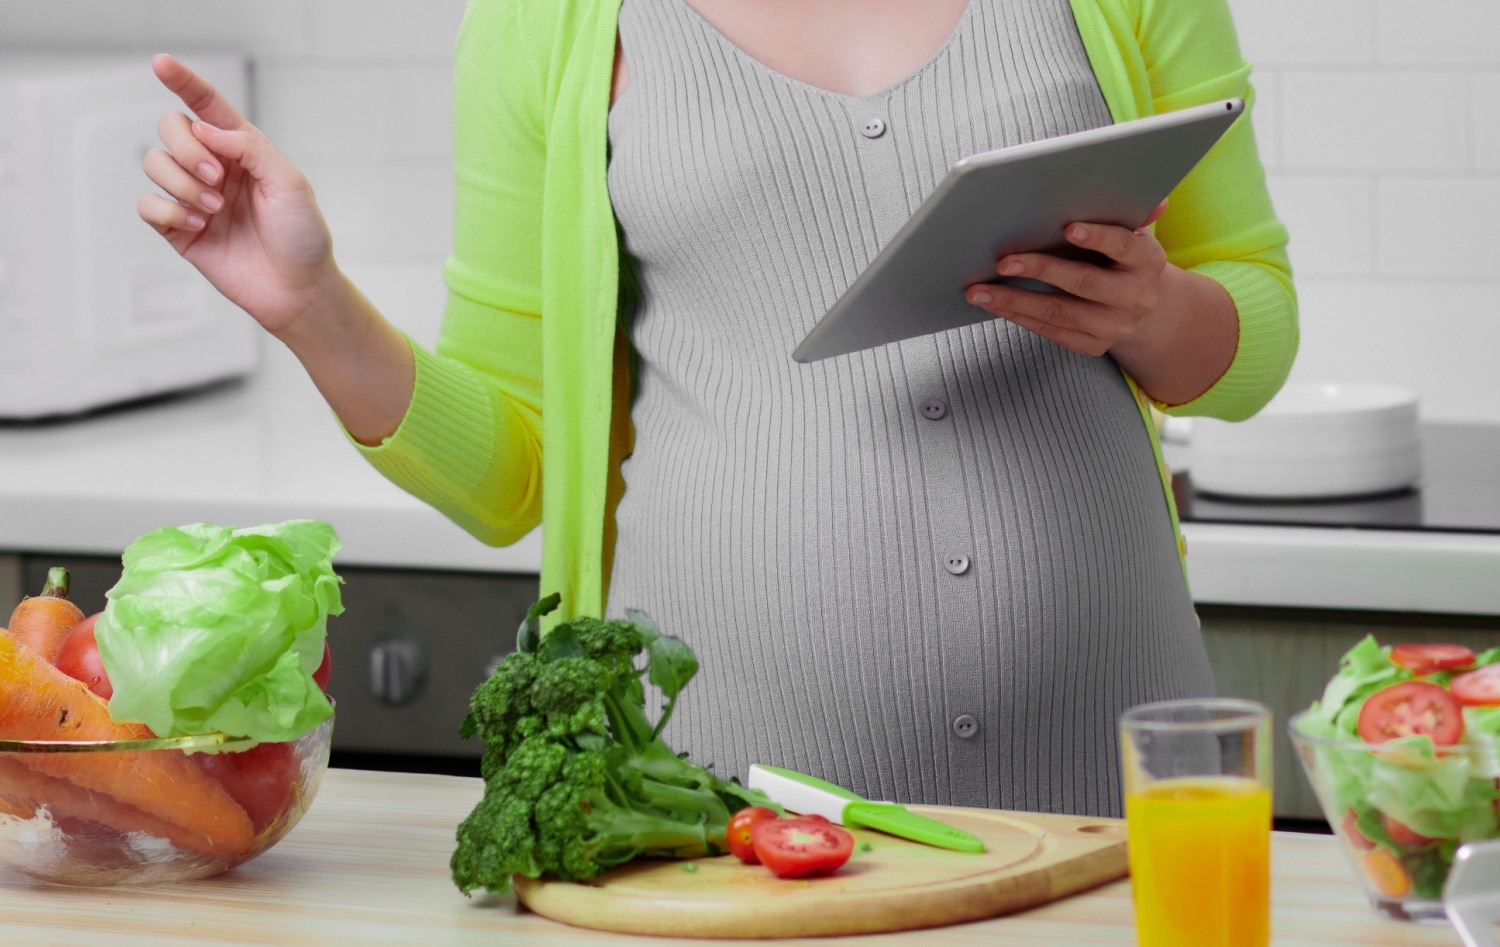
359 361
1189 342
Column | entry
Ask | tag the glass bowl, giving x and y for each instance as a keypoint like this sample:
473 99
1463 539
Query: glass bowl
148 811
1401 809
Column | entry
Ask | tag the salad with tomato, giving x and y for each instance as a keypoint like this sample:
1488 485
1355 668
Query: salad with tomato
1404 751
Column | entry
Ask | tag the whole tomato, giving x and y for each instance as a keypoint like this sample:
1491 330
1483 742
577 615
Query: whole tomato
79 658
260 779
740 826
320 676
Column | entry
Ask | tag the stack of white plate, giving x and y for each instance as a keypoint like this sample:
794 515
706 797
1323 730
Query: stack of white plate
1313 441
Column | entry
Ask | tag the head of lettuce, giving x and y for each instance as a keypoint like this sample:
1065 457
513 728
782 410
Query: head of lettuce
214 629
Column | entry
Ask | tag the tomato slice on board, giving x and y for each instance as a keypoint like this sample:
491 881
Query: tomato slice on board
1407 708
1479 687
738 834
1431 658
796 848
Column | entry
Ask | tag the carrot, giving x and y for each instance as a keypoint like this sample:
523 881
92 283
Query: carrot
1386 873
41 622
39 702
28 791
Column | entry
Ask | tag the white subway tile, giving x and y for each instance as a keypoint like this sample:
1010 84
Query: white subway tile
1329 219
35 25
386 214
1373 120
1299 32
1437 32
386 29
1484 119
421 108
321 111
355 111
1437 338
1266 114
411 295
1438 227
265 28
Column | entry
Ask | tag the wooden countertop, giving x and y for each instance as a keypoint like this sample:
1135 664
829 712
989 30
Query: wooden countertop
369 865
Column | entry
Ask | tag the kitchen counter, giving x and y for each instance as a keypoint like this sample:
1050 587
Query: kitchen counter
369 864
258 451
268 449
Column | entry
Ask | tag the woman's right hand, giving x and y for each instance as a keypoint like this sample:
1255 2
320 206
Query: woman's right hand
239 211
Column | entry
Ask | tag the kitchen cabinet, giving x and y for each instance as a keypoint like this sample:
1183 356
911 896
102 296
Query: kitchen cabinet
10 585
1284 657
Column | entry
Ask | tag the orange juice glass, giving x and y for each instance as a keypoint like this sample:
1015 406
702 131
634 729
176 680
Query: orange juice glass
1198 815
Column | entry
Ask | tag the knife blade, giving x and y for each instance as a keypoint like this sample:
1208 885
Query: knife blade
806 795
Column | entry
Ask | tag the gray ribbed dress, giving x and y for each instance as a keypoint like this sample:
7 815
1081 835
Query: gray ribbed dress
931 572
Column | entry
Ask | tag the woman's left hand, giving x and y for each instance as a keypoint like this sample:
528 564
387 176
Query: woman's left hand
1174 331
1099 307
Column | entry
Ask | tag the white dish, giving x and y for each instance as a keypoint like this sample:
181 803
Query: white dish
1312 441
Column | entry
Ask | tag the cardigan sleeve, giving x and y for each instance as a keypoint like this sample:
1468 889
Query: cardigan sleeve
1219 220
470 442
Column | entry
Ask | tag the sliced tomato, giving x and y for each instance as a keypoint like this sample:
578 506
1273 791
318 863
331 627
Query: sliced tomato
1407 708
1349 829
1402 834
1479 687
1430 658
79 658
738 834
796 848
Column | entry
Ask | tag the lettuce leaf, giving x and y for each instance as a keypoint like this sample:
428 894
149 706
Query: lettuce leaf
218 629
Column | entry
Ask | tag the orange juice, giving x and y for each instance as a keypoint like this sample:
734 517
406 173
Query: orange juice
1200 862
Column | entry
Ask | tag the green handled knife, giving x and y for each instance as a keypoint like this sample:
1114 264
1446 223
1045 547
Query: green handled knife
809 795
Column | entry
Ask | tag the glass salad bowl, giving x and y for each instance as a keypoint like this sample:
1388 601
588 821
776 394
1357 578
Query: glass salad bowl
152 810
1400 810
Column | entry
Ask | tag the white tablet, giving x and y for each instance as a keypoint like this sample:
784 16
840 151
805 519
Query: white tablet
1012 200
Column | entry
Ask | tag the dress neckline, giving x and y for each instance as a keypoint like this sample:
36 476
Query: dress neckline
959 28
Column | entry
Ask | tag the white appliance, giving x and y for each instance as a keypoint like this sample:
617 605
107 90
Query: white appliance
95 307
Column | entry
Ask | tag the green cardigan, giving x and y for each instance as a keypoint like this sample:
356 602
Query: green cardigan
534 233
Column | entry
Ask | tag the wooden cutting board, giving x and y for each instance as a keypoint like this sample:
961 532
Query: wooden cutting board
1029 859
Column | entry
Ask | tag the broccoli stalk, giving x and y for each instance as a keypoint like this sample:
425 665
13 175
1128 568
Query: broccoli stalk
577 777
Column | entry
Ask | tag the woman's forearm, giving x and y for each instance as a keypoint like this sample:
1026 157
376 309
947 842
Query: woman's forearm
358 360
1190 342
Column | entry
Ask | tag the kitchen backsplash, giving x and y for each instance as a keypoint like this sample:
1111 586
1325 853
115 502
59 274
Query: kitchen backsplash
1379 122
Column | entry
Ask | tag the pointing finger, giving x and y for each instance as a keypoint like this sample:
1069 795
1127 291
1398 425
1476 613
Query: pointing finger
196 92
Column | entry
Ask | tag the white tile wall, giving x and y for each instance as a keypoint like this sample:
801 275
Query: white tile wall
1378 120
1382 142
356 92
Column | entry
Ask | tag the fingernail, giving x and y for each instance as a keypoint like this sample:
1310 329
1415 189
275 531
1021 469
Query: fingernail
212 201
1012 267
981 297
1079 232
207 173
195 222
202 126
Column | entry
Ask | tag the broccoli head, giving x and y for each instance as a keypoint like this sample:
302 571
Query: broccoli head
577 777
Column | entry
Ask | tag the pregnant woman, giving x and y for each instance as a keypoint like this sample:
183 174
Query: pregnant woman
932 572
